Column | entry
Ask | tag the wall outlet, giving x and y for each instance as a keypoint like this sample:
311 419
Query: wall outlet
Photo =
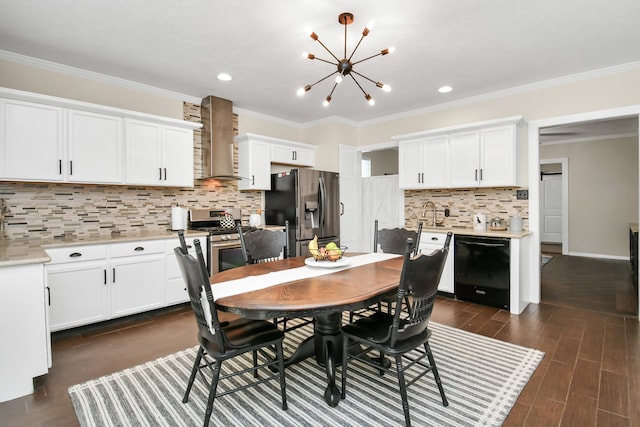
522 194
447 212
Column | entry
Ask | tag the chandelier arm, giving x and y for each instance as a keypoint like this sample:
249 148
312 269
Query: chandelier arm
354 49
366 59
356 82
327 49
365 77
322 79
324 60
334 88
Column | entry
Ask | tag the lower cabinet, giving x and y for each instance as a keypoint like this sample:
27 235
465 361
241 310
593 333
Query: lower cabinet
92 283
137 277
176 288
430 242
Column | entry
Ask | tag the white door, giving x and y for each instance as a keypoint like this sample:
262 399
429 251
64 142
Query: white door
383 200
350 175
551 208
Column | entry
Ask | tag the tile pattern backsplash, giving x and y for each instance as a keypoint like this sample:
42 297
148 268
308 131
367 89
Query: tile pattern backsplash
49 210
463 203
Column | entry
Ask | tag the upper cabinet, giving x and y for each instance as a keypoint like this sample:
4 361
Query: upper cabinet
256 153
51 139
158 155
94 148
423 163
475 155
31 153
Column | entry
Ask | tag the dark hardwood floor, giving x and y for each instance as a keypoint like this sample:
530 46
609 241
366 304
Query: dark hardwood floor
588 377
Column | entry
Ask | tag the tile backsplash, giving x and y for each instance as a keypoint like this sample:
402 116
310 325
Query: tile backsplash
51 210
463 203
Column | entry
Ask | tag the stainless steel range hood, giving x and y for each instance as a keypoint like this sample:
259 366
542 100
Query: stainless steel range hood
217 138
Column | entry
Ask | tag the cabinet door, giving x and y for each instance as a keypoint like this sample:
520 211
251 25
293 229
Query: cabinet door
77 294
177 161
287 155
137 284
498 157
430 242
410 164
31 141
95 148
464 159
435 161
176 289
143 153
254 165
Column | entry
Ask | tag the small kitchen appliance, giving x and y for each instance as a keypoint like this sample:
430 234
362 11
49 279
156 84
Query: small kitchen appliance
225 249
498 224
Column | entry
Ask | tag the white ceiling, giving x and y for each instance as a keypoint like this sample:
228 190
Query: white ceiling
478 47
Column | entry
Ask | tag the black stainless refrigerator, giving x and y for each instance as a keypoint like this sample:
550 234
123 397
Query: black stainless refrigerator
310 200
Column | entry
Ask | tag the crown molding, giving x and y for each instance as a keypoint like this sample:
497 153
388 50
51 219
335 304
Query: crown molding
91 75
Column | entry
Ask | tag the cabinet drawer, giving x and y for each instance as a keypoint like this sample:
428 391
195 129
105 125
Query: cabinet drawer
431 238
137 248
77 253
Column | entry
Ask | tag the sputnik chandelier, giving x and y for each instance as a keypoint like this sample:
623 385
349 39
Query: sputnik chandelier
345 65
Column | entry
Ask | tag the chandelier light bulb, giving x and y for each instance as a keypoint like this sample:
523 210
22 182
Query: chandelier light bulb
326 101
339 78
303 90
370 24
307 55
369 99
383 86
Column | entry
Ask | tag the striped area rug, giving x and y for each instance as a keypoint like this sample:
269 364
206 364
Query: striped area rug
482 379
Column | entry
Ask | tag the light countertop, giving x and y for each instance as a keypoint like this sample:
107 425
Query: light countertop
33 251
471 232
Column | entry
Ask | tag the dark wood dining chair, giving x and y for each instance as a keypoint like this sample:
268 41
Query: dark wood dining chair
392 241
401 335
222 341
262 245
259 246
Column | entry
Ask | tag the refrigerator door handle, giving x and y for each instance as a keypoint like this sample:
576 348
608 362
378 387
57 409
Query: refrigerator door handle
323 202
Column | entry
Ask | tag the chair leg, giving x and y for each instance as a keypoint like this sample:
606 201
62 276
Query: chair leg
403 390
212 392
194 371
434 369
255 363
283 386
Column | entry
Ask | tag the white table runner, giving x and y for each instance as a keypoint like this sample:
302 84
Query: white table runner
252 283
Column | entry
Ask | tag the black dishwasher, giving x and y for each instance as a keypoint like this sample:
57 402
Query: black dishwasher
482 270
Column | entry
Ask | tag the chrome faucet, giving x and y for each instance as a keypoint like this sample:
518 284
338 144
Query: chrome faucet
424 211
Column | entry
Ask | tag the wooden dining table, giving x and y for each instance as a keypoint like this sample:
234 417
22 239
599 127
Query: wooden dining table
324 297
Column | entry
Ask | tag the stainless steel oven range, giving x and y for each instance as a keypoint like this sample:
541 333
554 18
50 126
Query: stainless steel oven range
225 250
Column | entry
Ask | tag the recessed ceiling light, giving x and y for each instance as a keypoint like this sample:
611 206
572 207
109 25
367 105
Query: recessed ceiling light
445 89
224 77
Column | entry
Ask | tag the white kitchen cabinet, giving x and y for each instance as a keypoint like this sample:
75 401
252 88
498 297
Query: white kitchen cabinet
78 286
26 351
30 152
483 158
92 283
176 288
292 154
254 165
256 153
429 242
137 277
50 139
94 148
423 163
158 155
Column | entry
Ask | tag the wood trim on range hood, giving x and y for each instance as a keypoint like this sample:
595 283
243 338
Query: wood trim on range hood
217 138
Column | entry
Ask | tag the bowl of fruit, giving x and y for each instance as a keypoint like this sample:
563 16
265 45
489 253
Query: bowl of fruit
330 252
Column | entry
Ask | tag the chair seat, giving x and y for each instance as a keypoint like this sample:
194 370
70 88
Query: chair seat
241 334
374 330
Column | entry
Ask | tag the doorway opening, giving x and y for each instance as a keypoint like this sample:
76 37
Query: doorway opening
583 227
